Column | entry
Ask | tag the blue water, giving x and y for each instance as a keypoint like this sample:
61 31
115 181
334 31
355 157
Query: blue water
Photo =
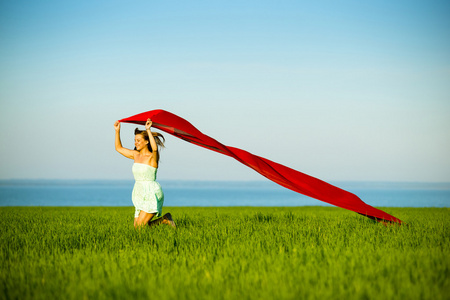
184 193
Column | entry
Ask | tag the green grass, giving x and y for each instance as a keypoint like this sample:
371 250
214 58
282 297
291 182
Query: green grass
224 253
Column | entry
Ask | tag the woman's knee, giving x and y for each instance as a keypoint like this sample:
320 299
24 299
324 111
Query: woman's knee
143 219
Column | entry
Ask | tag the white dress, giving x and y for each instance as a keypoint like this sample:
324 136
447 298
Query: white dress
147 193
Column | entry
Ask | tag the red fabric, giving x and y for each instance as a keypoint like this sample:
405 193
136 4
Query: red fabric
284 176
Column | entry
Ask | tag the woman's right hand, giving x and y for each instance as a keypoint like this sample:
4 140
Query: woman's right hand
117 126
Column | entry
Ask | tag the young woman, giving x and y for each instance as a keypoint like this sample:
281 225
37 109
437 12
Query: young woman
148 197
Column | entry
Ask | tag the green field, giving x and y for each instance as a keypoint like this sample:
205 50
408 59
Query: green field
224 253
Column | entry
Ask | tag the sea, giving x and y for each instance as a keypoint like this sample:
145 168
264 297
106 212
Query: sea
214 193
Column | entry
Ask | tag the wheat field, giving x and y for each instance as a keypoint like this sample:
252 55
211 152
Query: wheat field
224 253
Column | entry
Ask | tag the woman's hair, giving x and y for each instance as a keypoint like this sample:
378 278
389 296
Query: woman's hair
156 135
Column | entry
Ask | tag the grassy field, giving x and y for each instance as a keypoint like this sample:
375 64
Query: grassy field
224 253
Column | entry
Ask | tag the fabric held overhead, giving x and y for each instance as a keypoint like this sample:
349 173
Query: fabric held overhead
284 176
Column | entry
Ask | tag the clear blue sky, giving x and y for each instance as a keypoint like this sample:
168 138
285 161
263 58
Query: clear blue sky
340 90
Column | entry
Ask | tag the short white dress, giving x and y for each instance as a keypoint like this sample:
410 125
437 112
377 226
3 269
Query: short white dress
147 194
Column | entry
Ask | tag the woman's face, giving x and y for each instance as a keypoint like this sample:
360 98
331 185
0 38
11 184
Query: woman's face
139 142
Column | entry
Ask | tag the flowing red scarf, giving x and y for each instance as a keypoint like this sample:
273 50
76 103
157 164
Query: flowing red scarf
284 176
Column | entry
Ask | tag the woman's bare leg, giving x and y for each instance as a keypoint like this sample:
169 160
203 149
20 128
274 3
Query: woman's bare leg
143 219
146 218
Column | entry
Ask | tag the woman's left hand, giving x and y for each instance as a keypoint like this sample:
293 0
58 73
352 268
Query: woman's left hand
148 124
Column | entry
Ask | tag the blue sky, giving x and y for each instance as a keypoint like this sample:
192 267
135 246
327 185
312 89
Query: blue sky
340 90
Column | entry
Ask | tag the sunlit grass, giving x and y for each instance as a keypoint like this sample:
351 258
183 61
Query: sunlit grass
224 253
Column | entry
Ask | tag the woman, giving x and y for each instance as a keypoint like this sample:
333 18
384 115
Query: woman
147 194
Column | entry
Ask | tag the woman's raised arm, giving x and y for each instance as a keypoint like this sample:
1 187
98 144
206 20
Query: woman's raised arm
124 151
148 125
155 157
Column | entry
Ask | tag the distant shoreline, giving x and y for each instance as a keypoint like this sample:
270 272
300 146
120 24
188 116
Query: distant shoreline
63 192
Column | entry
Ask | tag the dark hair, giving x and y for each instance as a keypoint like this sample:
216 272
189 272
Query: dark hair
156 135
